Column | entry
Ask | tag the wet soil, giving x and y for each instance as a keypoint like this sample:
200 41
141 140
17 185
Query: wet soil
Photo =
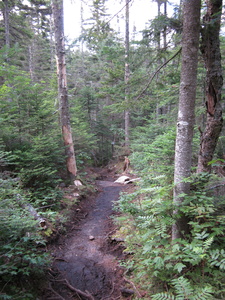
86 260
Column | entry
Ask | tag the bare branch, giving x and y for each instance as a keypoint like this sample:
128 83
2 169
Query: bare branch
156 72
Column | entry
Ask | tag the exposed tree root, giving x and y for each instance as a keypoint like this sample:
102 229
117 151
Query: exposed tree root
134 287
55 293
85 294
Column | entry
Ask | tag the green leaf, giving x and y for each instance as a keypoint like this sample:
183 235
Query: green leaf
179 267
159 262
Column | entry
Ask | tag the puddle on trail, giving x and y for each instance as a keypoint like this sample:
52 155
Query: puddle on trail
83 261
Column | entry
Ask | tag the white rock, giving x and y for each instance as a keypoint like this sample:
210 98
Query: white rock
122 179
77 183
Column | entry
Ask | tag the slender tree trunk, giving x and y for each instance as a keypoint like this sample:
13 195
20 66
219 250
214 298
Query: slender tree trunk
57 8
165 27
186 116
210 48
127 77
6 23
159 33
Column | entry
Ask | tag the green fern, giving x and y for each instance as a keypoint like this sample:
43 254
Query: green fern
204 294
163 296
217 258
184 291
183 288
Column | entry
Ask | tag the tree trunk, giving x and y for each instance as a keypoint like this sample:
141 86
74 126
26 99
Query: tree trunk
57 8
210 48
6 23
186 115
159 3
165 27
127 77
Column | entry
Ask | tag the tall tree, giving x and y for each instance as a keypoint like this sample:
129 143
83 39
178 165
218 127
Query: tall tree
127 75
97 34
6 22
57 8
210 48
186 115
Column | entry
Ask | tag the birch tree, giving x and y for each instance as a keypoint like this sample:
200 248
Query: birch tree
57 8
186 116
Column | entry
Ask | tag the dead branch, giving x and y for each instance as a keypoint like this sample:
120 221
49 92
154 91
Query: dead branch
215 186
156 72
134 287
32 211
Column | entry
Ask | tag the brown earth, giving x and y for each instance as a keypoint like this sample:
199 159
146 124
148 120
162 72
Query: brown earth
86 259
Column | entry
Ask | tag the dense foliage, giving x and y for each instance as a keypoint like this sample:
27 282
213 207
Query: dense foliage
189 268
32 162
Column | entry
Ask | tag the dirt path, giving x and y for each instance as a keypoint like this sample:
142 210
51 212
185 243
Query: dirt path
85 266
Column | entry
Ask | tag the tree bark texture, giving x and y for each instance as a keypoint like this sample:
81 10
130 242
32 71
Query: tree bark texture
127 76
57 7
6 23
186 115
210 48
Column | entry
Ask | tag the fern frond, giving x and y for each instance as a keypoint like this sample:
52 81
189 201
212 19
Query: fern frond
183 288
163 296
207 243
203 294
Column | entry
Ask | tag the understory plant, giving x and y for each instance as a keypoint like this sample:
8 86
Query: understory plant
22 248
188 268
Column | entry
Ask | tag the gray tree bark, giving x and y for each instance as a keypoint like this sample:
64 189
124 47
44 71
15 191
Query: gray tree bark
127 77
57 8
210 48
186 115
6 23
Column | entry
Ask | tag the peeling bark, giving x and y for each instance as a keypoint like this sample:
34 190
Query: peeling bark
210 48
57 8
127 78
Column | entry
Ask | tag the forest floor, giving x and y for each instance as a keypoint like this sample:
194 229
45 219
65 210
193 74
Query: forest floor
86 258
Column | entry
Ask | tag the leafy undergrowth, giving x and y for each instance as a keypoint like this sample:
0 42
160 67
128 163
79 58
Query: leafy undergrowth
22 245
29 220
190 268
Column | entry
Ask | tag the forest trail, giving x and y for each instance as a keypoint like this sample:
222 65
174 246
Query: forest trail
86 263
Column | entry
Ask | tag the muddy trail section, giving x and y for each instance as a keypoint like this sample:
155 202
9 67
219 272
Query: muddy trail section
86 260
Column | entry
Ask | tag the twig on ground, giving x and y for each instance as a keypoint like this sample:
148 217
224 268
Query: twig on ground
61 259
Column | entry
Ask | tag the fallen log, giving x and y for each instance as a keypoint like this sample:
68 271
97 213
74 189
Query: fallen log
32 211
